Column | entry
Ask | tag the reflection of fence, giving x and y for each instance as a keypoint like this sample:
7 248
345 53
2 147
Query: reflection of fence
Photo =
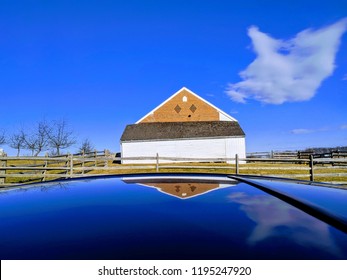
17 170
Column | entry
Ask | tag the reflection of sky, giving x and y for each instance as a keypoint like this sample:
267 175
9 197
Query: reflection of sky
108 219
331 199
272 216
56 197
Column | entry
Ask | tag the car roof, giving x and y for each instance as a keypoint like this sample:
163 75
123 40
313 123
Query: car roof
173 216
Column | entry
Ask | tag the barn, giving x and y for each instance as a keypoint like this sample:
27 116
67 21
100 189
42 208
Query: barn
184 126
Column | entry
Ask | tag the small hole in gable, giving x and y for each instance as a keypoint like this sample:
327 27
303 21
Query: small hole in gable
184 99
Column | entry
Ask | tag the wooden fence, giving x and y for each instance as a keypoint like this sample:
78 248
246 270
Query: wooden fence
297 155
21 170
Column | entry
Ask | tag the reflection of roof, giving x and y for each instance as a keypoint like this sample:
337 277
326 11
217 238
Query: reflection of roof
181 130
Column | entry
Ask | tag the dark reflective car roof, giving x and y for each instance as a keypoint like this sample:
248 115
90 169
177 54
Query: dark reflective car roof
169 217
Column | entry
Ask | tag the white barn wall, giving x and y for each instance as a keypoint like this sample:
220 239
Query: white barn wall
185 148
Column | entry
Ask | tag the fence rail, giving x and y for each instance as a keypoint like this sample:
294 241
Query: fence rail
21 170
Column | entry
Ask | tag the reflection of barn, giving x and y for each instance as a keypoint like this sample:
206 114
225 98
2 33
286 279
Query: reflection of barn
185 125
183 188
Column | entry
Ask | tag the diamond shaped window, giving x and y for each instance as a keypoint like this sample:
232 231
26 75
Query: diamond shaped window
178 109
193 108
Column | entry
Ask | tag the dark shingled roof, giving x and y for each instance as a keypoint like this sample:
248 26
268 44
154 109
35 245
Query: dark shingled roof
181 130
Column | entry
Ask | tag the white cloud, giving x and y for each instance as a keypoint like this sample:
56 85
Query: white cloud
301 131
307 131
344 126
288 70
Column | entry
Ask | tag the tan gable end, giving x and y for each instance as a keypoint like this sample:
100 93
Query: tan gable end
184 106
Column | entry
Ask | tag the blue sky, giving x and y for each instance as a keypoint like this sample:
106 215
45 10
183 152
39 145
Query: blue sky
104 64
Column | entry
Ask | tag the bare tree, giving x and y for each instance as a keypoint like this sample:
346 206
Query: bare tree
38 140
30 143
60 137
17 141
2 137
43 130
86 146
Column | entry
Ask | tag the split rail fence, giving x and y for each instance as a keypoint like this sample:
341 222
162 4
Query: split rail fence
23 170
297 154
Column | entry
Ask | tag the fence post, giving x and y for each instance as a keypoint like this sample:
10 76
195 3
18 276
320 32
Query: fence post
83 165
71 166
106 155
2 164
44 172
157 163
237 164
311 168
